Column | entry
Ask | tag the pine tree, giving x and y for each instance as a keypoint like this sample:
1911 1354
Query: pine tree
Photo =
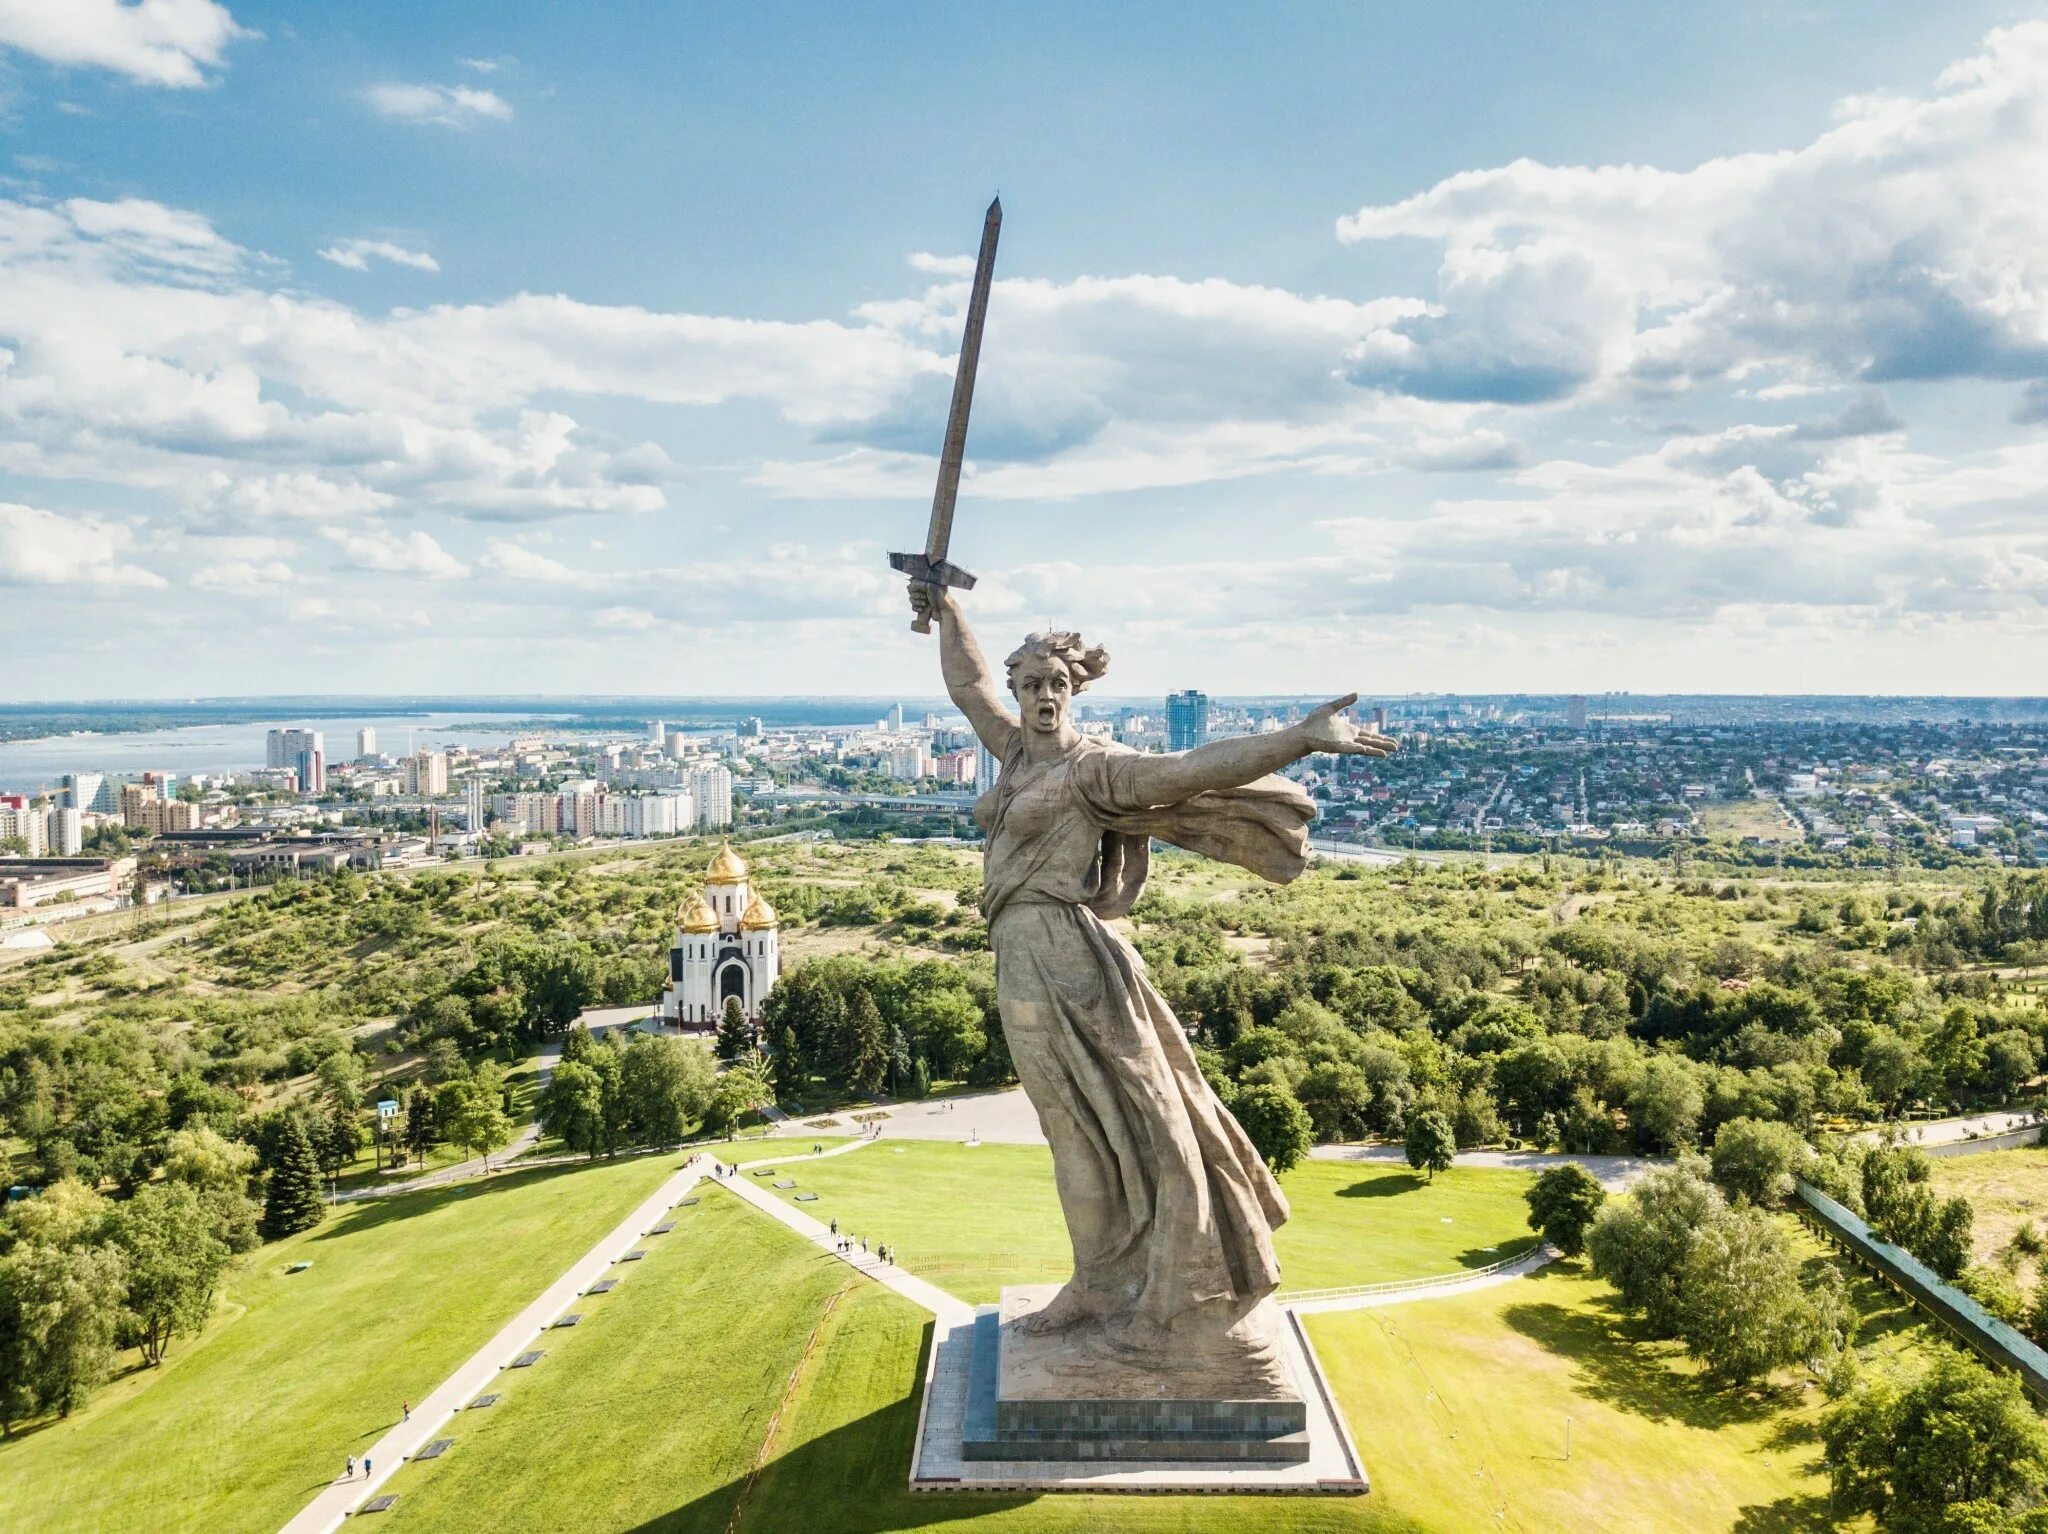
735 1038
786 1067
420 1133
292 1202
868 1056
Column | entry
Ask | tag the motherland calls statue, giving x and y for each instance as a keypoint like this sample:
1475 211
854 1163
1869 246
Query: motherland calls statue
1170 1208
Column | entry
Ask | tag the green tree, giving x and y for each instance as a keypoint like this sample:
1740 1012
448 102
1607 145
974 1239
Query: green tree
735 1038
1639 1243
1664 1109
1562 1203
1338 1099
667 1084
292 1201
420 1134
1743 1308
788 1068
60 1311
1429 1142
1758 1160
739 1091
1276 1124
868 1056
471 1113
1916 1454
219 1171
175 1261
341 1138
572 1107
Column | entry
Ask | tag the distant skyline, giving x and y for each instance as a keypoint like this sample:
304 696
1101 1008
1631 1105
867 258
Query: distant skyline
603 351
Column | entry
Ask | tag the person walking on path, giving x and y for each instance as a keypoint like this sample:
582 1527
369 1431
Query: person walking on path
835 1225
406 1408
351 1473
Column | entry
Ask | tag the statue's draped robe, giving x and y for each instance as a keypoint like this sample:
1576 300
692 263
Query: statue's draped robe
1170 1208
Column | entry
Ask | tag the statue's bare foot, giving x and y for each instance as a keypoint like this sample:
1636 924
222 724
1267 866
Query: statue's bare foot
1071 1306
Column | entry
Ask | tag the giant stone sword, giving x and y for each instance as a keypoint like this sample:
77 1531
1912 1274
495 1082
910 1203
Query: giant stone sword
932 567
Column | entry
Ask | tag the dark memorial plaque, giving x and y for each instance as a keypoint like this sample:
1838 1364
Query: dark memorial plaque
436 1449
528 1360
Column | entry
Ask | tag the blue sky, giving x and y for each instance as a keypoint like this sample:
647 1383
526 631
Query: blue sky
605 349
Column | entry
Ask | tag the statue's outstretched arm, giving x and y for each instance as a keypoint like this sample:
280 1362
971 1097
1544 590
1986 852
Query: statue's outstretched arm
1233 763
968 680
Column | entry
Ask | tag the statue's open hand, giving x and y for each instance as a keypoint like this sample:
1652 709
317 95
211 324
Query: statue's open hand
1328 730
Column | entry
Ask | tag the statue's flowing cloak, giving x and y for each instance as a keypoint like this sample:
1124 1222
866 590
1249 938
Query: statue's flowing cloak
1170 1208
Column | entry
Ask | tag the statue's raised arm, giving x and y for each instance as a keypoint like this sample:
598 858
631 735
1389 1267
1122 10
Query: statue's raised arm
968 682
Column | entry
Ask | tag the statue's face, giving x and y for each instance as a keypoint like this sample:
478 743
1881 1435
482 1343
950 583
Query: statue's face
1043 689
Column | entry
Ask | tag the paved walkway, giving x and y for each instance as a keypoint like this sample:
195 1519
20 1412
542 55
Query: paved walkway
1450 1283
920 1292
326 1511
1614 1172
994 1118
1968 1127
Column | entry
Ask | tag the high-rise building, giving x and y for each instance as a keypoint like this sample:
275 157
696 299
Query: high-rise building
896 719
82 789
751 728
711 790
23 822
366 744
474 791
657 733
63 831
1379 718
986 769
1187 720
303 752
1575 711
426 773
910 762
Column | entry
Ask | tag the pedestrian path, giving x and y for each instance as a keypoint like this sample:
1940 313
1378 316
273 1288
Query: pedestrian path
919 1292
1615 1173
1371 1297
334 1503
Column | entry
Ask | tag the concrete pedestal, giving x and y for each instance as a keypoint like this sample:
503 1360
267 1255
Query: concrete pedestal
1068 1396
1011 1419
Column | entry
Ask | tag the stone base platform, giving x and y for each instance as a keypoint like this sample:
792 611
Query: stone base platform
1002 1411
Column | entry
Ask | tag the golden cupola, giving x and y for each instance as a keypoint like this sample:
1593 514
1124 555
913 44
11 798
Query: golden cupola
696 915
759 915
727 867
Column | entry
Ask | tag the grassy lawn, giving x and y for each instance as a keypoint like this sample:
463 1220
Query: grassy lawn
2006 1189
1459 1406
243 1424
650 1412
972 1219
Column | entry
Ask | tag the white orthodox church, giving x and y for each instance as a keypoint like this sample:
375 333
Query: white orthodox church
728 944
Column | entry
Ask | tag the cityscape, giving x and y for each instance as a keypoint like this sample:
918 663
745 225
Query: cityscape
1749 782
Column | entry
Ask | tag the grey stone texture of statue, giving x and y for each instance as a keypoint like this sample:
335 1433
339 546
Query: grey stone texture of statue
1170 1209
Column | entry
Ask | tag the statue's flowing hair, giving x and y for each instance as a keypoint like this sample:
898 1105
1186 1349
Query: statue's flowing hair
1084 662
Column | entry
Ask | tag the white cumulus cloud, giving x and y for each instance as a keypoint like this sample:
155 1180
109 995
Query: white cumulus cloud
356 255
44 548
1909 241
452 106
392 553
154 42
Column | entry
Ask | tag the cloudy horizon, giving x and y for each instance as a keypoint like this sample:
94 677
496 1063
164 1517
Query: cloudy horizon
522 352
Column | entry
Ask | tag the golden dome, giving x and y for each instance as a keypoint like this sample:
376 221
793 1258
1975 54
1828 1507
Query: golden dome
759 915
728 867
696 915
